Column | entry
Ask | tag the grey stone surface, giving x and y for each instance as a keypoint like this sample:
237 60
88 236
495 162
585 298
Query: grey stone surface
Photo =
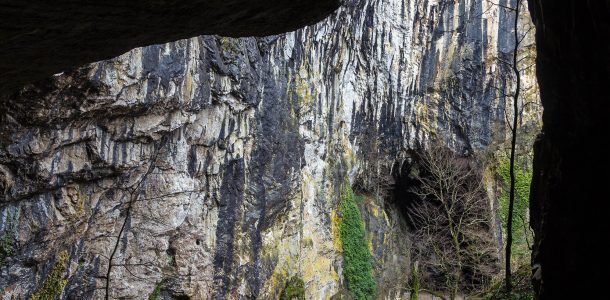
212 167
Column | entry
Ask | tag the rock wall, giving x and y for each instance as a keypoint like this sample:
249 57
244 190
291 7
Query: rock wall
568 200
212 167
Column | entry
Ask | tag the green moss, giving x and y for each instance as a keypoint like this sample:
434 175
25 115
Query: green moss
295 289
54 284
7 239
156 293
357 261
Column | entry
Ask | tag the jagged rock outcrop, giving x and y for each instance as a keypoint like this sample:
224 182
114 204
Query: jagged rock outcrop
212 167
41 38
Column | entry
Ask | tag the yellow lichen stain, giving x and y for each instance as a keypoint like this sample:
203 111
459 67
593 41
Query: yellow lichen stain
188 85
307 243
76 199
349 157
334 275
303 91
321 270
302 86
374 211
336 230
385 217
277 278
450 54
423 116
228 45
270 252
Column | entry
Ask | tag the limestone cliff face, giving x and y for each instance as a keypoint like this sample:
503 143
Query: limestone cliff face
212 167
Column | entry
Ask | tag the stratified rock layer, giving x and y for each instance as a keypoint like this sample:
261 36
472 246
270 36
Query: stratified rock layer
212 167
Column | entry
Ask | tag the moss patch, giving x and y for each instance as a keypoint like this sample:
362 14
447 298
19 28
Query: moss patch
295 289
414 283
54 284
357 260
156 293
7 238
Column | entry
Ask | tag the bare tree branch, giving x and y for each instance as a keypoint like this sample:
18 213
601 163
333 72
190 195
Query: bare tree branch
452 219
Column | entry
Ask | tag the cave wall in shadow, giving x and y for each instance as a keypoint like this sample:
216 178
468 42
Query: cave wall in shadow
569 204
41 38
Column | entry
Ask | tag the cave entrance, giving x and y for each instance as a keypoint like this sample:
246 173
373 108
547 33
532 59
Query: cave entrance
401 193
440 196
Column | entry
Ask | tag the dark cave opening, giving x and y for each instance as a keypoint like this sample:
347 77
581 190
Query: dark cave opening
401 193
396 189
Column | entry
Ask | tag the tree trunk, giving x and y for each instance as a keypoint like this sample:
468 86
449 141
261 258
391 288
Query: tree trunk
513 143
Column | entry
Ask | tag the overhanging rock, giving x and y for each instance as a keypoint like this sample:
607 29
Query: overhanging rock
39 38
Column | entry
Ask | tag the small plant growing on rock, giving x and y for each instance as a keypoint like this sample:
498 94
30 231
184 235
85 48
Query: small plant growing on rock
156 293
7 239
295 289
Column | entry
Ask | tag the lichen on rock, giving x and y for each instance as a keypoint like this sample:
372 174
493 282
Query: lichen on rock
54 282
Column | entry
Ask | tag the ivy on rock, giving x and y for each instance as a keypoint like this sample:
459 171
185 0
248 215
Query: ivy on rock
357 260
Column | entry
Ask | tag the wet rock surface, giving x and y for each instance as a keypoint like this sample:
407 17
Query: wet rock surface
212 167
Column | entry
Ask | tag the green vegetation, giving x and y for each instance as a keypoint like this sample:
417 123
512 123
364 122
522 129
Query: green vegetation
54 284
7 239
521 290
523 179
357 261
228 45
156 293
414 283
295 289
